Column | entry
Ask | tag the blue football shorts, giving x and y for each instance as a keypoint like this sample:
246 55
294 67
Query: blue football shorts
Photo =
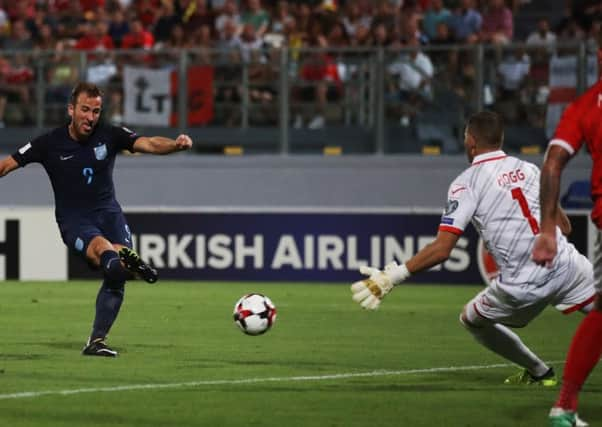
78 231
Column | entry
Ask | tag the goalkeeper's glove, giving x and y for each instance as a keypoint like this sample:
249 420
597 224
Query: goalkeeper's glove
370 292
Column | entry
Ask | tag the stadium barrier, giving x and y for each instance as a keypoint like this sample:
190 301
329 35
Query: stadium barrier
299 244
266 100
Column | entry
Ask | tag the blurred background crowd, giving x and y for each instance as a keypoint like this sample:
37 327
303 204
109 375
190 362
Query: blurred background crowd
108 24
325 41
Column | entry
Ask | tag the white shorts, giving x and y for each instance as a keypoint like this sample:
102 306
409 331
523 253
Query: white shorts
517 305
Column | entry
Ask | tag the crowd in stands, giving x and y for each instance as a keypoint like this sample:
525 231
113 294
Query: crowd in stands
243 29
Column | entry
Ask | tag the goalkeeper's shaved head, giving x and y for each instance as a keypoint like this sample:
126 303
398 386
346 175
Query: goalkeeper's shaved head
487 128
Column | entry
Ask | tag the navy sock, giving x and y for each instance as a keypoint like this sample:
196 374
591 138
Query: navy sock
112 268
108 303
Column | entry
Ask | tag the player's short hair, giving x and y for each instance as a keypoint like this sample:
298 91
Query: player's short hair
89 89
487 128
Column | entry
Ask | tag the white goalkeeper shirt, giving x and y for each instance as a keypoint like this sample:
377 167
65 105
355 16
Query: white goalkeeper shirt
499 194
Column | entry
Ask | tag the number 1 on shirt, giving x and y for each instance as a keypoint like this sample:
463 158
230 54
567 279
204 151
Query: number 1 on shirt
517 194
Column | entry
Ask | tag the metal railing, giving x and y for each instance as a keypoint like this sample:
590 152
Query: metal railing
374 99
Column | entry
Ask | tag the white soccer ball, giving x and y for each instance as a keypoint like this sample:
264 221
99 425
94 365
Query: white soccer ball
254 314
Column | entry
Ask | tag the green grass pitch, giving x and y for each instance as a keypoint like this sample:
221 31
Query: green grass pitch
326 362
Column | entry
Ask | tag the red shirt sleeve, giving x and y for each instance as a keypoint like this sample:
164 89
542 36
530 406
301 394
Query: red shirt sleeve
569 132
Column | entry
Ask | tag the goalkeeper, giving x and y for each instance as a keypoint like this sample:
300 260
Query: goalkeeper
499 194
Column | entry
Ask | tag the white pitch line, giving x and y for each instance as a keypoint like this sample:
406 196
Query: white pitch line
378 373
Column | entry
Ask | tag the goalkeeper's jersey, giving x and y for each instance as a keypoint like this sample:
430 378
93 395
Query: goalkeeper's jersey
499 194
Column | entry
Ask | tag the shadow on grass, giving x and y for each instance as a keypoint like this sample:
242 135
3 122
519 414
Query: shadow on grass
5 356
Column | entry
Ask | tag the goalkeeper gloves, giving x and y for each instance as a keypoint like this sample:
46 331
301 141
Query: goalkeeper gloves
370 292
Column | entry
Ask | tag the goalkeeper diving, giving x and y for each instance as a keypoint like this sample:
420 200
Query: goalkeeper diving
499 194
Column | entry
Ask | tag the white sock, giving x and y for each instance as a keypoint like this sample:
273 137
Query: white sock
501 340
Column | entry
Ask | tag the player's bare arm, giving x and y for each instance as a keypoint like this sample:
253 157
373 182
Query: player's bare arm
7 165
369 292
544 249
434 253
556 159
563 221
162 145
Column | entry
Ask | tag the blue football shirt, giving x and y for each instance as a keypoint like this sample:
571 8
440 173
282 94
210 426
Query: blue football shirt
81 172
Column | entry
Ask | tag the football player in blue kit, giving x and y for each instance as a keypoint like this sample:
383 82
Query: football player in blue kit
79 160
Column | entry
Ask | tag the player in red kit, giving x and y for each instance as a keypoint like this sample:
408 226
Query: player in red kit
580 123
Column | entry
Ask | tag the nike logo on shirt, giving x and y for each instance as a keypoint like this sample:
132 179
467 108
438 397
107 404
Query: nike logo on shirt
67 157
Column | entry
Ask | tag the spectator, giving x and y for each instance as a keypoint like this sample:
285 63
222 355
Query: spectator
354 19
542 44
443 35
543 37
337 36
20 38
118 27
46 39
296 40
4 23
283 16
95 38
435 14
202 44
250 44
21 10
388 14
593 35
177 39
91 5
304 19
497 25
196 15
466 22
261 93
166 20
569 31
446 61
411 29
15 82
69 19
61 76
146 11
321 72
512 71
362 36
138 37
229 14
257 17
228 72
228 37
414 73
380 35
586 12
218 6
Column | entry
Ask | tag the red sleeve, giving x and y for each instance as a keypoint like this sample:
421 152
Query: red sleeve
83 44
127 41
569 132
149 40
107 42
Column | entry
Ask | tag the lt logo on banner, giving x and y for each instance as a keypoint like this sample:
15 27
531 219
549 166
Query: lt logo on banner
147 99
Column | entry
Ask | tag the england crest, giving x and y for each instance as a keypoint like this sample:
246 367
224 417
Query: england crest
100 152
